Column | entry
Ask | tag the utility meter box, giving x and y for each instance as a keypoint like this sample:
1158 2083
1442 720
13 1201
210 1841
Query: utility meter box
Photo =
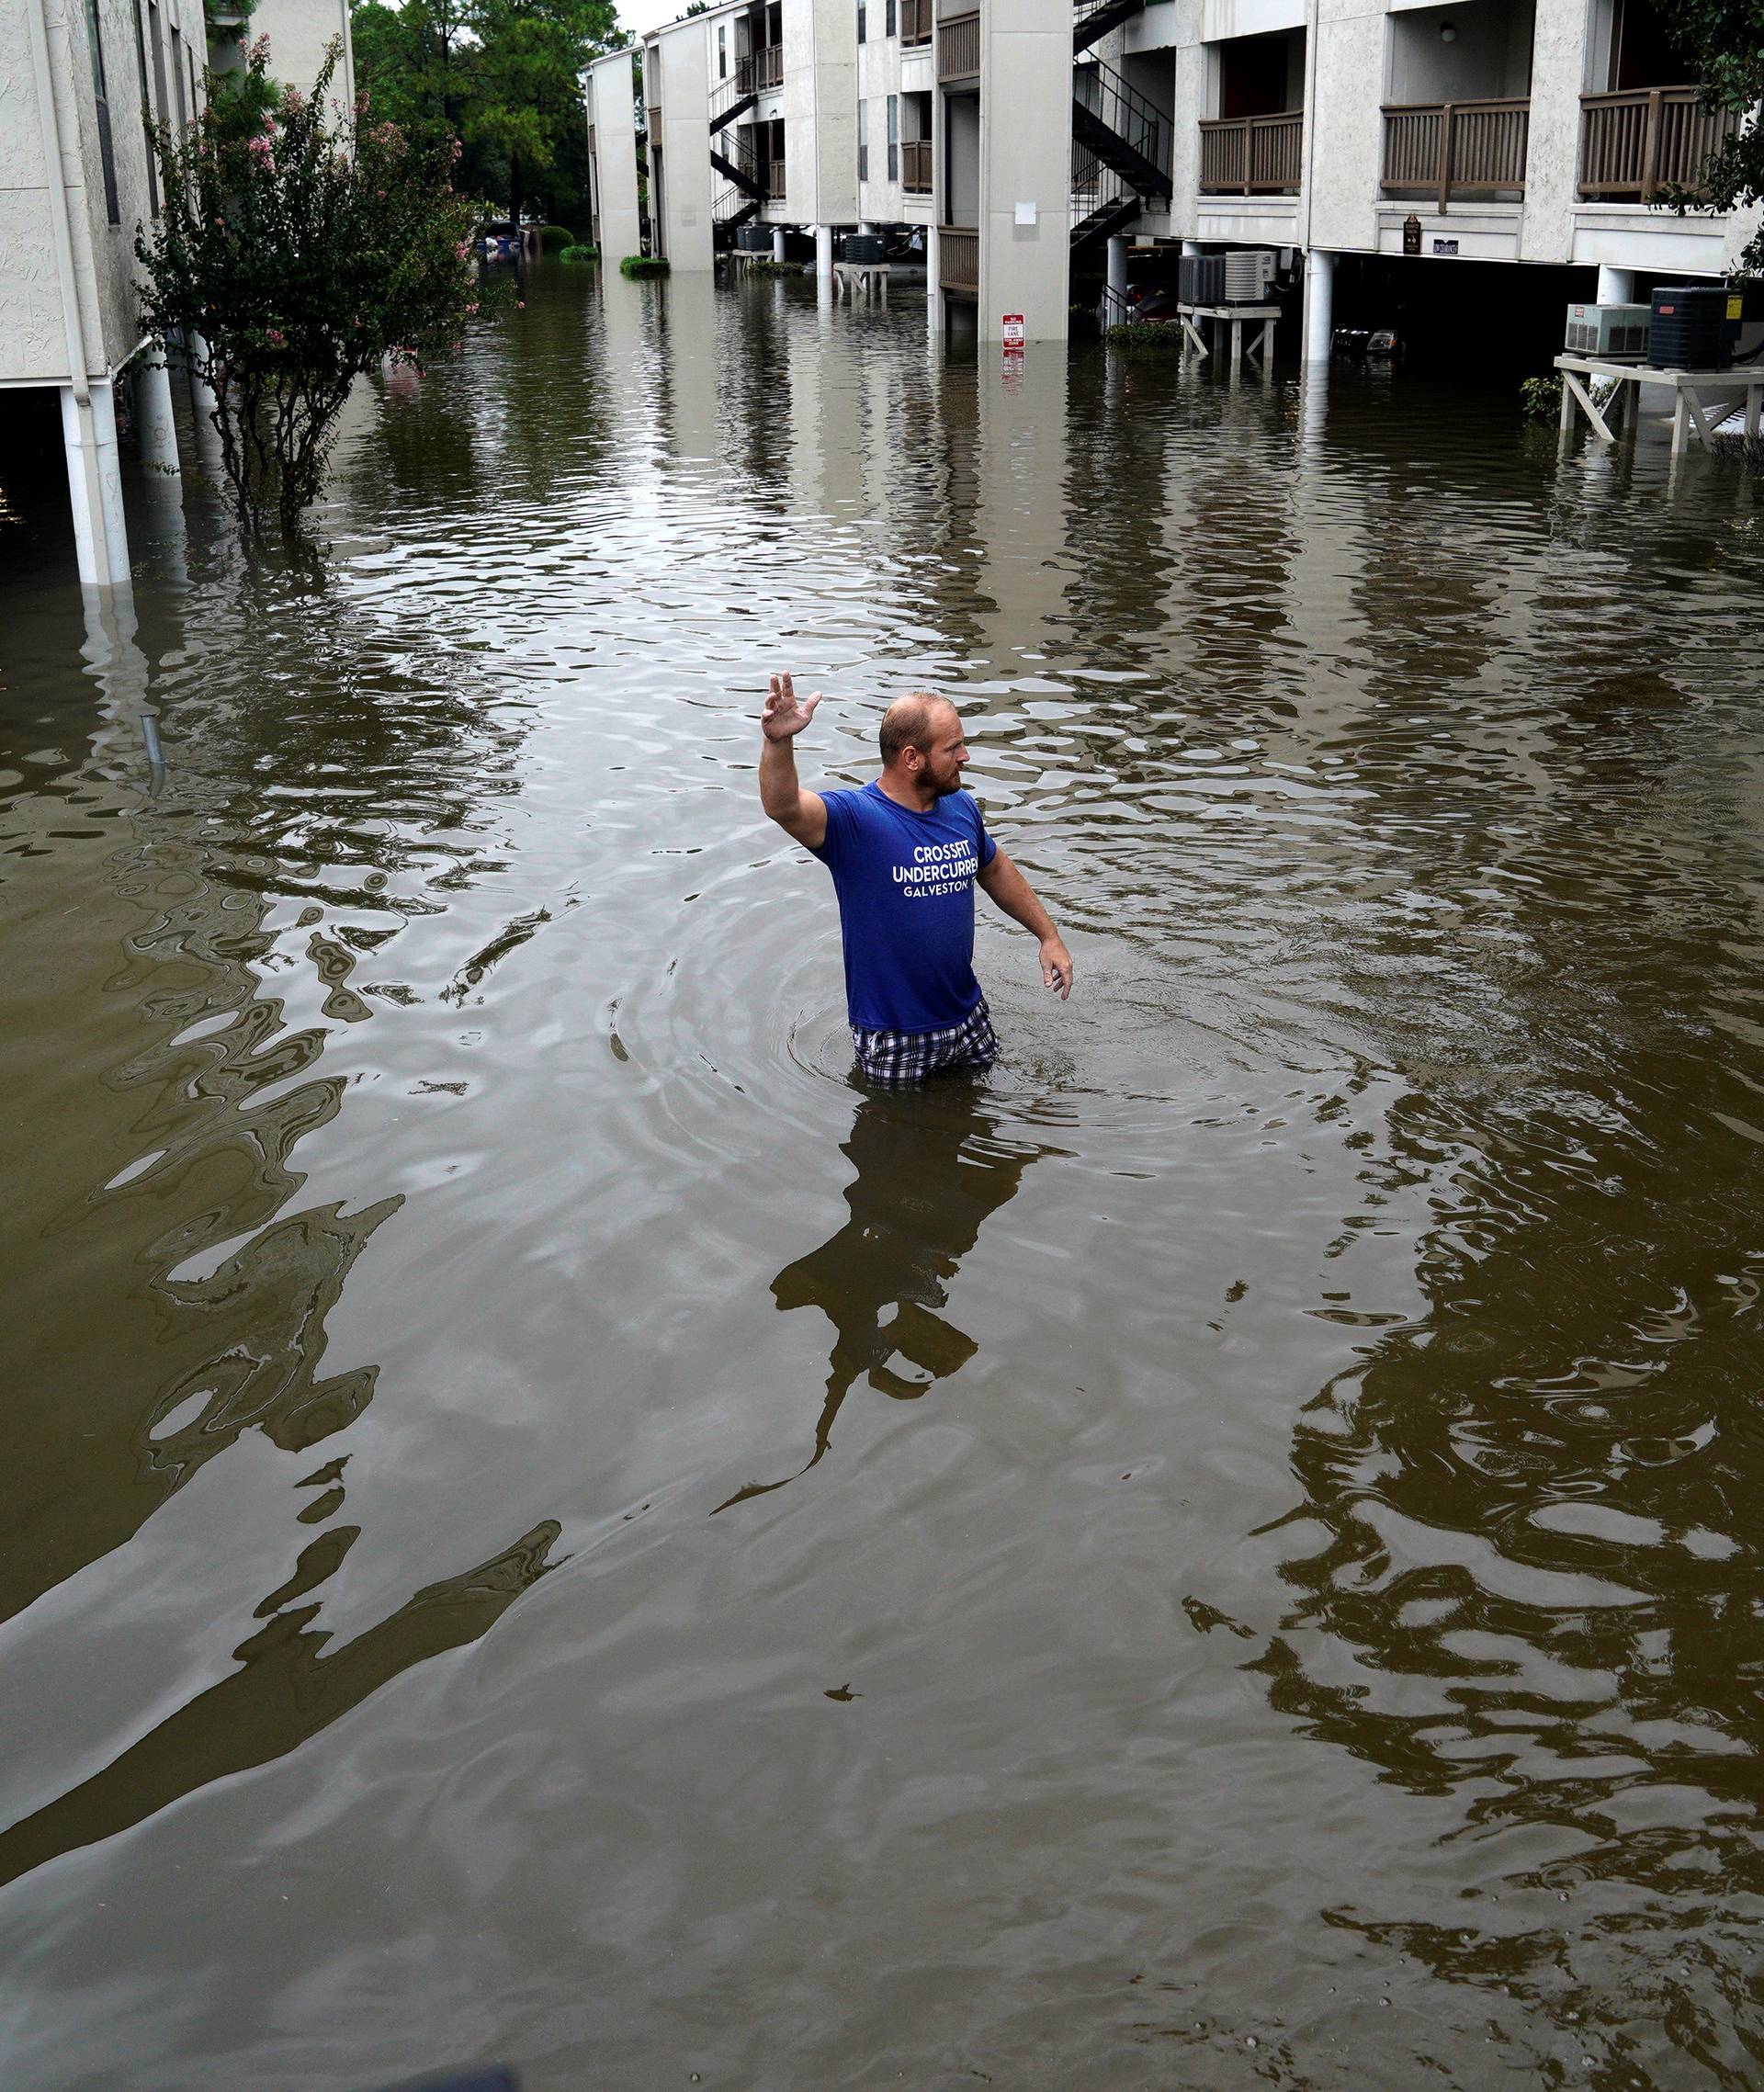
1249 276
1607 330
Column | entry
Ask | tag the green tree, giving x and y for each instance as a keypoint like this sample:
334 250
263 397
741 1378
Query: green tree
292 255
528 108
1724 40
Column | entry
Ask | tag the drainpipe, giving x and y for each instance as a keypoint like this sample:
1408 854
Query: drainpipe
88 410
1318 320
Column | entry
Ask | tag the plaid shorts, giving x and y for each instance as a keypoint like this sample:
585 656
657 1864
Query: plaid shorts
911 1057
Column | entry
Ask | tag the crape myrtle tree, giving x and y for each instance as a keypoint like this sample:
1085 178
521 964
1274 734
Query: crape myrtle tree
1723 41
301 246
503 75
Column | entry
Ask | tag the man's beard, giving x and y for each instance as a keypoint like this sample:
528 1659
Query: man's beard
943 788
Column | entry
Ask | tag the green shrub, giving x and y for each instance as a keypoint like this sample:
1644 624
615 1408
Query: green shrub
1539 398
583 251
554 236
1144 334
644 265
763 265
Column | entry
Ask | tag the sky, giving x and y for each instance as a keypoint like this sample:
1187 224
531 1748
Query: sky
638 15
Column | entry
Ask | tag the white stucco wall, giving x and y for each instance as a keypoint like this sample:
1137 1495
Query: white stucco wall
298 33
680 61
34 335
613 112
1025 158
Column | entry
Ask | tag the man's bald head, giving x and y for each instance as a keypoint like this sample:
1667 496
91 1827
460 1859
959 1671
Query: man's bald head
913 721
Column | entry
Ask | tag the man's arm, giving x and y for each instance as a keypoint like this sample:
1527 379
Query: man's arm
798 813
1006 888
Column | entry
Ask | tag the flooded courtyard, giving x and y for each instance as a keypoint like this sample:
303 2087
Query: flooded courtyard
546 1523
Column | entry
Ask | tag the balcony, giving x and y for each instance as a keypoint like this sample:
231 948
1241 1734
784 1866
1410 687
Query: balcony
776 181
1636 144
959 48
959 260
1453 150
915 167
915 21
1252 156
760 69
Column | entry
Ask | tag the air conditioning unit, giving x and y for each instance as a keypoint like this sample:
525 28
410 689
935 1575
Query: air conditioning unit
1694 327
753 239
1607 330
1248 276
1200 279
868 249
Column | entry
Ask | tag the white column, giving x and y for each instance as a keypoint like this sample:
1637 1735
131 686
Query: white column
1117 278
777 243
824 254
1616 287
1193 247
933 295
154 411
94 485
864 225
1319 303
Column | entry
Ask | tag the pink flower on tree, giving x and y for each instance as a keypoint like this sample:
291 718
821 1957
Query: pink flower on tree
275 335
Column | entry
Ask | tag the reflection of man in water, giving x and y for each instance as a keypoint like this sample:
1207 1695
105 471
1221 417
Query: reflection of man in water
906 853
930 1170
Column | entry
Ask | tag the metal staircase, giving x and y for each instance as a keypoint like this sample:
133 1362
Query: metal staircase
737 162
1113 215
730 100
1125 131
1092 20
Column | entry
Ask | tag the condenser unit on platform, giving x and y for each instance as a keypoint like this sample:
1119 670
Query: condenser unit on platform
1200 279
1607 330
1248 276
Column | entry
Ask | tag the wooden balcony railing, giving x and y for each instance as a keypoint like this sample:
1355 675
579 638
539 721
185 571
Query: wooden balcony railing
1632 145
958 46
915 166
774 181
1457 148
760 69
915 21
959 260
1252 156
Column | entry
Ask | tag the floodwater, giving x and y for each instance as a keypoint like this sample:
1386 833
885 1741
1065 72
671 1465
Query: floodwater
543 1523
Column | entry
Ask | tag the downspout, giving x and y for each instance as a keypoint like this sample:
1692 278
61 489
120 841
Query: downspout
1312 16
72 318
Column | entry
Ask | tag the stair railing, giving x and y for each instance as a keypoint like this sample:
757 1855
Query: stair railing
1124 110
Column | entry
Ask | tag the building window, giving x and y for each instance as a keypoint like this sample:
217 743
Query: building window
894 138
722 51
863 141
146 111
106 151
887 23
863 32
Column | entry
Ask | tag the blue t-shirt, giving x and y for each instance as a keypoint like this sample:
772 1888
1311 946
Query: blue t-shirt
905 882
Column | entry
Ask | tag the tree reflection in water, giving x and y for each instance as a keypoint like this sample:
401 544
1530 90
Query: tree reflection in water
1537 1593
931 1165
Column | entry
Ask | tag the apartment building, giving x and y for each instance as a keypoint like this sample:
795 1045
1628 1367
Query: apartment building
1517 132
79 179
1032 138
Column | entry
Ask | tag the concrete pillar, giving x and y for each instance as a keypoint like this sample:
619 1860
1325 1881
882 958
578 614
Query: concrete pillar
934 296
1193 247
823 254
154 412
1319 303
1117 279
777 243
1616 287
94 485
864 225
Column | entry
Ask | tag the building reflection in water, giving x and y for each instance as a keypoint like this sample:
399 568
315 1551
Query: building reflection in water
932 1165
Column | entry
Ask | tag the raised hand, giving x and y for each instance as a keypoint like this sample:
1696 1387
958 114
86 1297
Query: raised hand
785 714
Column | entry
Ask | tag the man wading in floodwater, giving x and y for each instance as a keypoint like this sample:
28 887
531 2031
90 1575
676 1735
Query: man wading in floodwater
905 852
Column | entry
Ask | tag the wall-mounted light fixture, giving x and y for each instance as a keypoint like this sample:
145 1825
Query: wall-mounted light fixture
1448 32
